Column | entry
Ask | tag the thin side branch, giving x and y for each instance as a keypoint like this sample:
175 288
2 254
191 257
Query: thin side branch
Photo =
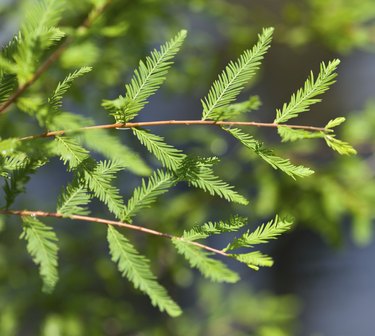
53 57
111 222
172 122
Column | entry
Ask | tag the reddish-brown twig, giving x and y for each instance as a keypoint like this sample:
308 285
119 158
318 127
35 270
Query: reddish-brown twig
173 122
111 222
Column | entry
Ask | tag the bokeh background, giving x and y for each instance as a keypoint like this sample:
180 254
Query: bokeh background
323 282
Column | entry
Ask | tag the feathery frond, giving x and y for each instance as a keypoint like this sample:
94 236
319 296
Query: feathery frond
136 268
262 234
55 101
43 248
98 176
74 200
18 154
37 34
335 122
342 147
210 268
7 84
284 165
203 231
158 183
339 146
267 155
169 156
18 160
305 97
146 80
199 173
235 76
9 146
99 182
254 259
290 134
245 138
70 151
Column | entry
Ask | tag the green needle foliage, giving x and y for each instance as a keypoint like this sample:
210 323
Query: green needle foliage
43 248
254 259
74 200
136 268
146 80
262 234
290 134
339 146
267 155
203 231
38 33
214 269
66 136
99 181
301 102
210 268
305 97
56 100
7 86
146 194
199 173
169 156
234 78
70 151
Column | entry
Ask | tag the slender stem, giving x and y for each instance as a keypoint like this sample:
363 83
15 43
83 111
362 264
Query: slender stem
53 57
172 122
111 222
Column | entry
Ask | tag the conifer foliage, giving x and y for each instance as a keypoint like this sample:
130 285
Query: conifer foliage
73 139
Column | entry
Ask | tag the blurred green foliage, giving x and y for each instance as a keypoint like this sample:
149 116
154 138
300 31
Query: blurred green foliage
94 300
